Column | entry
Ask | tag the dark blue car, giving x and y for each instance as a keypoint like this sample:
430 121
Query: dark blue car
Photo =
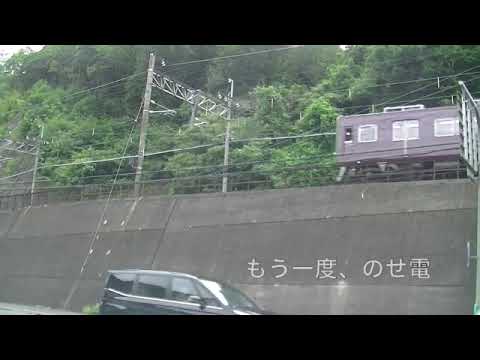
148 292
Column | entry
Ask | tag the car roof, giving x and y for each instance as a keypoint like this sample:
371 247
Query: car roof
165 272
152 272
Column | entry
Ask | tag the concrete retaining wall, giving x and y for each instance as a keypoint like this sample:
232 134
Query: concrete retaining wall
42 248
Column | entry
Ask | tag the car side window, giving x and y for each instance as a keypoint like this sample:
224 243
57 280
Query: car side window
209 298
182 289
122 282
154 286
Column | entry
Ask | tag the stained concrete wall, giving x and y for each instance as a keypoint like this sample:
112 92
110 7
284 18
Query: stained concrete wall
42 249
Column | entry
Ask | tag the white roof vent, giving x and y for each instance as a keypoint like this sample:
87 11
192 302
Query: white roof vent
403 108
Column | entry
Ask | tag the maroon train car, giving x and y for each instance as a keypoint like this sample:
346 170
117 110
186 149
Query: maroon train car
399 138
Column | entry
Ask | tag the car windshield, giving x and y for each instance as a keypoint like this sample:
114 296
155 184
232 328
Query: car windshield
230 296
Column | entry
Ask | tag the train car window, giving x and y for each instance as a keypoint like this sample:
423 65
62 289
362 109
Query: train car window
348 134
446 127
367 133
405 130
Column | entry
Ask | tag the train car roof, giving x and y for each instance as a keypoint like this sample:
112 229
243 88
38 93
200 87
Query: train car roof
398 114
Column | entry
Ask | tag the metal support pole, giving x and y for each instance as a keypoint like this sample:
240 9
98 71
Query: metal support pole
227 142
144 125
35 167
194 109
476 309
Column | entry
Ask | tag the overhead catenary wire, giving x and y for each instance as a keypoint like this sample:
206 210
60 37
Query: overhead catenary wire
102 216
406 102
74 163
116 82
439 78
162 152
389 84
233 56
105 84
68 96
423 87
426 97
386 84
246 54
191 148
441 147
183 149
283 137
451 87
120 80
414 59
300 163
304 135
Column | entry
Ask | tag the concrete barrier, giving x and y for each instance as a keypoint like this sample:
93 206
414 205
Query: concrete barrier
42 248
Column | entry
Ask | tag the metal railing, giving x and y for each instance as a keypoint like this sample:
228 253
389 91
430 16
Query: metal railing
299 176
469 131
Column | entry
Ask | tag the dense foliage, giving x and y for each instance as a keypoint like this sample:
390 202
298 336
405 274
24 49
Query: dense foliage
287 92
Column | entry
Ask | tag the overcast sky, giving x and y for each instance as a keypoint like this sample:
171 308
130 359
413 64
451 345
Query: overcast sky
14 48
11 49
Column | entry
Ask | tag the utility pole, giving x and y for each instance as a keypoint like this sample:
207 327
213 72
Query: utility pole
144 124
194 109
227 141
35 167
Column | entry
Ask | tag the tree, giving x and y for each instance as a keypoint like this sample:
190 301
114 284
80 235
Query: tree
87 97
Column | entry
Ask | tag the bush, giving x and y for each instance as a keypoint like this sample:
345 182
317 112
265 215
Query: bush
91 309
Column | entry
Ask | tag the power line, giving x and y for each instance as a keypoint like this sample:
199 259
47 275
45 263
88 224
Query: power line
443 77
282 141
423 87
403 102
401 62
284 137
167 152
95 235
105 84
427 97
451 87
240 140
415 59
17 174
234 56
33 106
175 150
301 164
269 159
388 84
411 92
